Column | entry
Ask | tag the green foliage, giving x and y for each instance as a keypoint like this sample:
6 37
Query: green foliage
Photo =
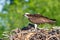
14 17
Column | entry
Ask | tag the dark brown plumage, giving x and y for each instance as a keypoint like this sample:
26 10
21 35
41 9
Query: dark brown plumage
39 19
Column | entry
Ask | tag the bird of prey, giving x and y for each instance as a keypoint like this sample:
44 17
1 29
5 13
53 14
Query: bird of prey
38 19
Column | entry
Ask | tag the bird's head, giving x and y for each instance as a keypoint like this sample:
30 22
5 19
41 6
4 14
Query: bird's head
26 15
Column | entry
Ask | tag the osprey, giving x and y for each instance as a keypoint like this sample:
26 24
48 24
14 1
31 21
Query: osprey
38 19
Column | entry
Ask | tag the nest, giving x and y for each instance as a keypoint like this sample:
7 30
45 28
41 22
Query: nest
29 33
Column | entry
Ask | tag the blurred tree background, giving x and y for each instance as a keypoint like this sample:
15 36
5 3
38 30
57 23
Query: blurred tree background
12 11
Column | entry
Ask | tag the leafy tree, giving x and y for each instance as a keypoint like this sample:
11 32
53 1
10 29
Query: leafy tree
14 12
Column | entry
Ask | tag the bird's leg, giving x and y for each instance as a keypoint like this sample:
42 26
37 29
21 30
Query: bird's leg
35 26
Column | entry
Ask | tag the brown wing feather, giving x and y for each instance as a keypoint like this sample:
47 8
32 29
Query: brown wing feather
39 15
36 15
39 20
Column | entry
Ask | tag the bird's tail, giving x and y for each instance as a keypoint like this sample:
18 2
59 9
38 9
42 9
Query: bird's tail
52 21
